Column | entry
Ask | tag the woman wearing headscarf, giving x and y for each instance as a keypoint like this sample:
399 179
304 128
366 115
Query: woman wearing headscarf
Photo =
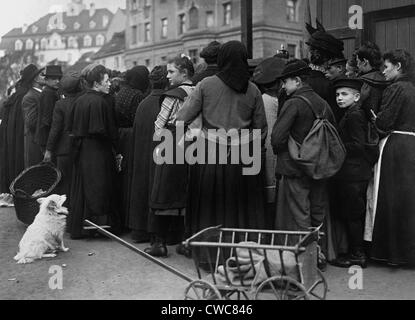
12 130
393 238
126 102
141 167
220 194
95 137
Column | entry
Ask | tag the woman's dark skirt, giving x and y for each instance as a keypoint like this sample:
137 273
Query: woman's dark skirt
394 229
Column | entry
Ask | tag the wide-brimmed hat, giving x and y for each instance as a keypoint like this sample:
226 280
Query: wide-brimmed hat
344 82
268 70
320 39
295 69
29 73
53 71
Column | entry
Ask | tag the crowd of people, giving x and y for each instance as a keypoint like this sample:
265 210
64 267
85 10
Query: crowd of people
101 130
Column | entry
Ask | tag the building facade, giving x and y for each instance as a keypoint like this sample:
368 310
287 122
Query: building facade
159 29
389 23
64 36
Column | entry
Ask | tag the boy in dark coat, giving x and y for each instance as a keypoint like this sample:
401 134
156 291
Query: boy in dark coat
351 182
302 202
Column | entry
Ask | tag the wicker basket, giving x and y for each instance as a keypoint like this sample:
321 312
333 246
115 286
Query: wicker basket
44 177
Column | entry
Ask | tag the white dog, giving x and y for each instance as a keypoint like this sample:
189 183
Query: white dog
44 237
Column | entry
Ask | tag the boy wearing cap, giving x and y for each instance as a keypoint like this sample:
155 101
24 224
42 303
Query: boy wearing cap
48 99
336 68
302 202
352 180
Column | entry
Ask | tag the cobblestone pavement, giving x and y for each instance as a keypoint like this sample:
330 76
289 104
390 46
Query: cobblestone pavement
103 269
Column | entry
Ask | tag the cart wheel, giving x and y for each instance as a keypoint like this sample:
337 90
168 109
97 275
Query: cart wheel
320 288
201 290
281 288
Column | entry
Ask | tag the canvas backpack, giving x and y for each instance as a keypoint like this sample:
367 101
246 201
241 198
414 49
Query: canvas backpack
322 153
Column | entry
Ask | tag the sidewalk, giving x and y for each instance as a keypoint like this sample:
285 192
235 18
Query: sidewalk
103 269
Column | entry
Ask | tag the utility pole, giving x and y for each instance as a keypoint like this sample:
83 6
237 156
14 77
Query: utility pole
246 25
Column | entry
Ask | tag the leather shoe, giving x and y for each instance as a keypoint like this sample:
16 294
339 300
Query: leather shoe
342 262
182 250
358 259
157 250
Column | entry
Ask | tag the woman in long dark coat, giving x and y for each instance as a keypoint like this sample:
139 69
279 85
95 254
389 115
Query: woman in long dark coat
393 238
12 131
126 102
220 194
95 138
141 165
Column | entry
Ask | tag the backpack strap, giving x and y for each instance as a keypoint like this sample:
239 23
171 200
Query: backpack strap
308 102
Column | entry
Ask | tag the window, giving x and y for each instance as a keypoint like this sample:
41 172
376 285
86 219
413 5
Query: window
18 45
105 21
134 5
76 25
87 41
194 56
100 40
92 24
292 49
227 17
210 19
35 29
117 62
72 43
164 25
292 10
29 44
134 34
43 44
55 43
182 23
147 32
193 18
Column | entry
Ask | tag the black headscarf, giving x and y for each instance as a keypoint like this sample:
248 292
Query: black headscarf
233 66
137 78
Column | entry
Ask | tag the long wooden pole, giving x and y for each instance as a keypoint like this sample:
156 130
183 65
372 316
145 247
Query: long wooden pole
141 253
246 25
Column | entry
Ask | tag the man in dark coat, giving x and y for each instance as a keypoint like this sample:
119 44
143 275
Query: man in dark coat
59 142
210 55
30 105
94 132
48 99
302 202
12 131
141 165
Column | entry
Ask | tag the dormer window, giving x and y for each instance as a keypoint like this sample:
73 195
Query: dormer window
35 29
105 21
76 25
92 24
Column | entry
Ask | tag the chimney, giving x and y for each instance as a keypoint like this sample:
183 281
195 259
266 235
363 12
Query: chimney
92 9
24 28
